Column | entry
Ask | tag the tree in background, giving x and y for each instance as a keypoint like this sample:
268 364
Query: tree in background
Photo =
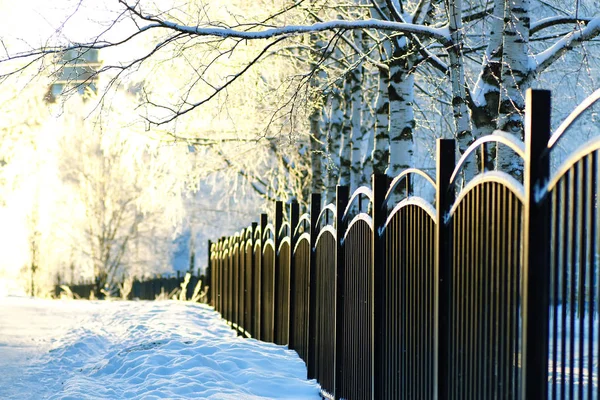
431 59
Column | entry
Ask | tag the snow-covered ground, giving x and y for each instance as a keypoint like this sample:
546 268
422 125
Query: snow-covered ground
55 349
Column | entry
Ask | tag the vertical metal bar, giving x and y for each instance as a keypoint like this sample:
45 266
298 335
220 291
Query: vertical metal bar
277 287
341 223
470 360
536 250
478 276
591 255
293 290
446 150
409 300
315 210
422 302
501 297
489 370
263 227
210 281
406 306
510 239
555 245
459 223
515 296
564 224
573 174
596 169
378 289
581 249
420 281
253 284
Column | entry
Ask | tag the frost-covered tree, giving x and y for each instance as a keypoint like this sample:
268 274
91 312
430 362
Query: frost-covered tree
469 59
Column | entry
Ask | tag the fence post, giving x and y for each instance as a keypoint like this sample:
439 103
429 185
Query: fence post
446 161
315 210
218 267
294 216
252 288
341 202
226 266
380 187
209 276
277 307
536 248
263 227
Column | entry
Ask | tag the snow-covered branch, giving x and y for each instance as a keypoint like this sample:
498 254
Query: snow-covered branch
579 35
440 34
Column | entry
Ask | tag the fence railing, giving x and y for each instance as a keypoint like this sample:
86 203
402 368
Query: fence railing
489 291
150 288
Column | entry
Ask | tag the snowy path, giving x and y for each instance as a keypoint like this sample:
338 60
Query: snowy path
134 350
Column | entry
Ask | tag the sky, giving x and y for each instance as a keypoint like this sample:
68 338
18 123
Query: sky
50 23
45 18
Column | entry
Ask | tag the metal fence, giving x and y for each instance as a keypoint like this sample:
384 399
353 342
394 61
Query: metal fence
149 288
488 291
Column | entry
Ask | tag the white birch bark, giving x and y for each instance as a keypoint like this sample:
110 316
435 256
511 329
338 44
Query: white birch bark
367 160
334 135
381 145
357 130
402 118
316 147
346 139
515 63
463 133
381 138
487 89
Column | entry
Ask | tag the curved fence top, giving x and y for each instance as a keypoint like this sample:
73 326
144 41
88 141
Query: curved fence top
357 218
582 151
329 208
584 105
269 230
248 233
491 176
409 171
285 230
499 137
327 229
303 222
411 201
357 194
304 237
257 234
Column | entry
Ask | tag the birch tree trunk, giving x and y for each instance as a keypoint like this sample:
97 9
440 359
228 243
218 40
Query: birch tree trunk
316 127
457 77
368 135
515 68
487 89
402 121
334 136
402 117
381 135
358 132
316 147
346 139
381 145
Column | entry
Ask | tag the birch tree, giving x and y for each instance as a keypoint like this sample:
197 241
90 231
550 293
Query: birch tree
484 78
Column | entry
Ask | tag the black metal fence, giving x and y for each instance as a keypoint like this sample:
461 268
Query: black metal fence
149 288
489 291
